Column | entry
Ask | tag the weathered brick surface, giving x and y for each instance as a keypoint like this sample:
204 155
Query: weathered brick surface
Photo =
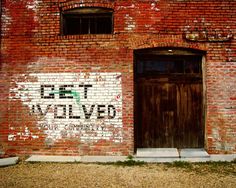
33 53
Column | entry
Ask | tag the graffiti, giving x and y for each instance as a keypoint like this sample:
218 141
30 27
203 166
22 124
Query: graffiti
75 105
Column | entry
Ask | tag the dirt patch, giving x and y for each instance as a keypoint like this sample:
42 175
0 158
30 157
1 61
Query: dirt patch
103 175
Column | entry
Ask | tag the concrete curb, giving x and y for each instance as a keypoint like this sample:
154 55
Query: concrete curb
106 159
53 158
102 159
228 157
9 161
211 158
71 159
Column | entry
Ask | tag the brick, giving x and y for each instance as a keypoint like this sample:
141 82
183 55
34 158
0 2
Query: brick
34 53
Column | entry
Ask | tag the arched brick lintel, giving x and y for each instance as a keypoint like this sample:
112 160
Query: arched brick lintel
73 4
174 44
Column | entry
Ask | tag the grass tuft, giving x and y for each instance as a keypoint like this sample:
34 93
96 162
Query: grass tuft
130 163
181 164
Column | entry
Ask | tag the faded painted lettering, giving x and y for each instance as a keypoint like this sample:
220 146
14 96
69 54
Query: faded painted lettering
86 106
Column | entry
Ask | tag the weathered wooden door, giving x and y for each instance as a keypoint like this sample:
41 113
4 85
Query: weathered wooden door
169 102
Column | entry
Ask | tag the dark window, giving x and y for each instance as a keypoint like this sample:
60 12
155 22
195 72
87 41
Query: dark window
87 21
169 65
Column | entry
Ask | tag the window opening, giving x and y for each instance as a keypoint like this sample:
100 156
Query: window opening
169 65
87 21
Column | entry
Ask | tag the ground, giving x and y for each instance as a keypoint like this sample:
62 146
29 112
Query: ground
178 174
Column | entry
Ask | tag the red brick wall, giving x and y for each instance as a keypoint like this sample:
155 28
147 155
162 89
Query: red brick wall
31 44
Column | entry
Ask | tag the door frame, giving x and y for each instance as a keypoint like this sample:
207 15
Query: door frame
171 51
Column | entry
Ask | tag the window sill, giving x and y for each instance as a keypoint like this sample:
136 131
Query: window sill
87 36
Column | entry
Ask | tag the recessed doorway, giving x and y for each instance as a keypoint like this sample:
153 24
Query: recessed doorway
168 101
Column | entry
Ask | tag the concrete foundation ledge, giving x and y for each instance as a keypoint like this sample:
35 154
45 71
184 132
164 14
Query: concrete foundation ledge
213 158
85 159
106 159
103 159
53 158
8 161
226 157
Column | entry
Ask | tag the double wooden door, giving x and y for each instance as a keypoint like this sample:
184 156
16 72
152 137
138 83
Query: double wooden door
168 105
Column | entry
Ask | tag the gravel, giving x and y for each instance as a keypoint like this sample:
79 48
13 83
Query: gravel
104 175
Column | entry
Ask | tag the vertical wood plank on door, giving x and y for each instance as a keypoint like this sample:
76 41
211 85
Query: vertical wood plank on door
170 113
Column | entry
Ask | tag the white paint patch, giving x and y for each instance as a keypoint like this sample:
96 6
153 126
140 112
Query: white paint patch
132 6
32 5
24 135
130 23
6 20
87 106
153 7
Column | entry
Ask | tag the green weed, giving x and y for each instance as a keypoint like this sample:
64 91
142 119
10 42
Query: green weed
180 164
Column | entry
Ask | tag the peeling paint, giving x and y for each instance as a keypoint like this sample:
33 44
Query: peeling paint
153 7
130 23
32 5
132 6
23 135
6 20
87 106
